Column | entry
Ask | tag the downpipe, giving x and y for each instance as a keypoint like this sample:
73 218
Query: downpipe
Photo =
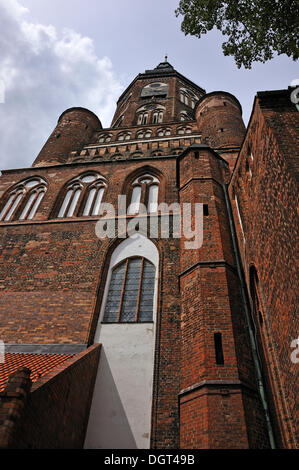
249 319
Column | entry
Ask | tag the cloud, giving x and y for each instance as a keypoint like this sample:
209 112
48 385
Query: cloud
42 73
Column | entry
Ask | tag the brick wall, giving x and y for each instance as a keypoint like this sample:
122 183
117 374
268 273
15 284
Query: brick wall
54 414
265 183
212 394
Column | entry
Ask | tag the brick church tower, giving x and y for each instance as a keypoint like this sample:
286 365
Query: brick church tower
149 338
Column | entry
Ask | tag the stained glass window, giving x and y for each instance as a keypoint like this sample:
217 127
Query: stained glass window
131 292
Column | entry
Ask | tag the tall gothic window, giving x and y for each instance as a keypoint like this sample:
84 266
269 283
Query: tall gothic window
145 190
23 200
142 118
83 196
184 96
131 292
157 116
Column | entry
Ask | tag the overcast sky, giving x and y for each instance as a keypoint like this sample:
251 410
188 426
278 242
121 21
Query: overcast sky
55 54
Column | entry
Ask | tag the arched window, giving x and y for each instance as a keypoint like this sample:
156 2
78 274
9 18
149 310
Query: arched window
184 130
157 153
177 151
142 118
124 136
126 329
184 116
23 200
144 134
163 132
184 96
157 116
131 292
145 190
105 138
83 196
188 97
150 113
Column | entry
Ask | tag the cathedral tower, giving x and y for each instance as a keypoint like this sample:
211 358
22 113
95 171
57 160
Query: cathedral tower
115 294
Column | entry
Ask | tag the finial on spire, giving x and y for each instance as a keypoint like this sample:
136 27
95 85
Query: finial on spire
166 57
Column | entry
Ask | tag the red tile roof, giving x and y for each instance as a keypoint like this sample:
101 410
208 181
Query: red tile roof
39 364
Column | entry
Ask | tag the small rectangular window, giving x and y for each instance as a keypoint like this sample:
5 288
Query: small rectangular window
205 209
218 348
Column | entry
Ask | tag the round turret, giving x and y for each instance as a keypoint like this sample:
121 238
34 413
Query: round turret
219 119
74 129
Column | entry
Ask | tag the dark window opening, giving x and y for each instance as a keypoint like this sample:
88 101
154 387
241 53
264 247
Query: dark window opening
261 318
218 348
205 209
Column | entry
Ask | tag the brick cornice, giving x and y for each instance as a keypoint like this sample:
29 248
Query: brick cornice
209 264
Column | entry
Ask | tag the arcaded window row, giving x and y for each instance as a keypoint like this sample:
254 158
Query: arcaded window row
145 133
81 197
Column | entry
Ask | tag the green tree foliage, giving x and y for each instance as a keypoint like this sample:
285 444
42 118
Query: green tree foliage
255 29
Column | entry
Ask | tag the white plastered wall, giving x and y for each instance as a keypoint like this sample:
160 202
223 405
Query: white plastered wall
120 415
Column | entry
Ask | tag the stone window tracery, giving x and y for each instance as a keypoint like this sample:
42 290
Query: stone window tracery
83 196
23 200
145 190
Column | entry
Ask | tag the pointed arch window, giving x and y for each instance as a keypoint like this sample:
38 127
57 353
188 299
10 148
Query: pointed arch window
145 190
23 200
131 292
83 196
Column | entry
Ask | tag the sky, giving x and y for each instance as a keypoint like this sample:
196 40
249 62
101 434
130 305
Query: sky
58 54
